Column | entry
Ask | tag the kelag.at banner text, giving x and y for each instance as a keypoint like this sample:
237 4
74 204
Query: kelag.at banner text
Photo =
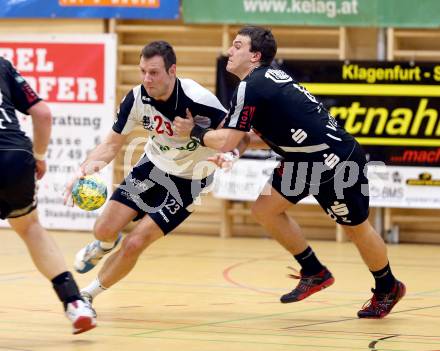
360 13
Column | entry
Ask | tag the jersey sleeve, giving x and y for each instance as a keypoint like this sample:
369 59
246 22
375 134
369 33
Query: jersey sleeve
125 121
209 113
22 95
243 108
207 110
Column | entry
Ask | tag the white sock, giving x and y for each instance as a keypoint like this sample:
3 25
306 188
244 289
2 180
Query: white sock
107 245
94 288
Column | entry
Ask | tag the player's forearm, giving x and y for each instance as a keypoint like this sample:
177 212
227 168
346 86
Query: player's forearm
99 157
41 138
42 126
218 140
222 140
104 153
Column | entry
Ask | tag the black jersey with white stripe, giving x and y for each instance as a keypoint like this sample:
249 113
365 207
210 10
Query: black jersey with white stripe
180 156
287 117
15 94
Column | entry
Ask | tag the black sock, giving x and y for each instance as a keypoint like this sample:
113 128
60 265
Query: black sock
384 279
66 288
309 262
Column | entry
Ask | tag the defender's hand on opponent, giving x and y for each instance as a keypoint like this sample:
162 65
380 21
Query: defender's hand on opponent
183 126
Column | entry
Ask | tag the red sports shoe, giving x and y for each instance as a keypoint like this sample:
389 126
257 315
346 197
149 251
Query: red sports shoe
382 303
308 285
82 316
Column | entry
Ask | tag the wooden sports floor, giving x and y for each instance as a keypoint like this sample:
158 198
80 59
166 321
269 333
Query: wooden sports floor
211 294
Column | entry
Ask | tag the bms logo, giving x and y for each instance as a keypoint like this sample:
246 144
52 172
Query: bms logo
146 122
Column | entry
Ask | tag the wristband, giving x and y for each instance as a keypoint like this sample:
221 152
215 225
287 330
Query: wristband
39 157
197 134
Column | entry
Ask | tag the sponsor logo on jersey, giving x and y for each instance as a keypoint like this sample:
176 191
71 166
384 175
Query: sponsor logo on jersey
339 211
298 135
165 218
146 122
331 160
278 76
246 116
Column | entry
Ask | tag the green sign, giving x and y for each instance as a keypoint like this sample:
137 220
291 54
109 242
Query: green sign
376 13
408 13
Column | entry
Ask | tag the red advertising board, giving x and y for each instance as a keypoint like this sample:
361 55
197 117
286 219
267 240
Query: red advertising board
60 72
75 74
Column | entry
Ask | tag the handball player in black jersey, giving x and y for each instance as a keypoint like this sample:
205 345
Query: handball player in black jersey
21 163
319 158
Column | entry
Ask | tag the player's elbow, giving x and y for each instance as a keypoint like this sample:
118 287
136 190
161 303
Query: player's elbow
232 140
41 113
46 117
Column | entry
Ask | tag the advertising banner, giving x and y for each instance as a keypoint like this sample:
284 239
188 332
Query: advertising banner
391 108
376 13
389 186
282 12
142 9
75 75
244 181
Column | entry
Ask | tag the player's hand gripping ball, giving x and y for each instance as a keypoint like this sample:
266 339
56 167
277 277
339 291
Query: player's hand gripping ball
89 193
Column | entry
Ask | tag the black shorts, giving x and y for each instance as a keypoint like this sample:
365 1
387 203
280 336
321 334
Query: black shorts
17 183
166 198
342 191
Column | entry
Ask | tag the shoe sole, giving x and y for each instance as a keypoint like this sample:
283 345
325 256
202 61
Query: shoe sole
87 267
324 285
403 292
89 264
83 324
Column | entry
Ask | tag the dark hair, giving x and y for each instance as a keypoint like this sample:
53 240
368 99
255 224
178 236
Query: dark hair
160 48
263 41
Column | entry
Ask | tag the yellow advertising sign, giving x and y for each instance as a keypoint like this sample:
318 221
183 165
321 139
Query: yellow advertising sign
387 124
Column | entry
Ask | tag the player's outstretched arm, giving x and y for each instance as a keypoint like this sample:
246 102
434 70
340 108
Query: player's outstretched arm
97 159
222 140
104 153
256 142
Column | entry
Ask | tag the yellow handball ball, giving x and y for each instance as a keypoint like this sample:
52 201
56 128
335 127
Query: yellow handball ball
89 193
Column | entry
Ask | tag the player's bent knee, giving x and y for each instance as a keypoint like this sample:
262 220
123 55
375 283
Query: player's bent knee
104 232
133 246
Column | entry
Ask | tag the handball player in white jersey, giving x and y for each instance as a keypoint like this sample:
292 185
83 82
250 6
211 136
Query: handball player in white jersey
162 186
